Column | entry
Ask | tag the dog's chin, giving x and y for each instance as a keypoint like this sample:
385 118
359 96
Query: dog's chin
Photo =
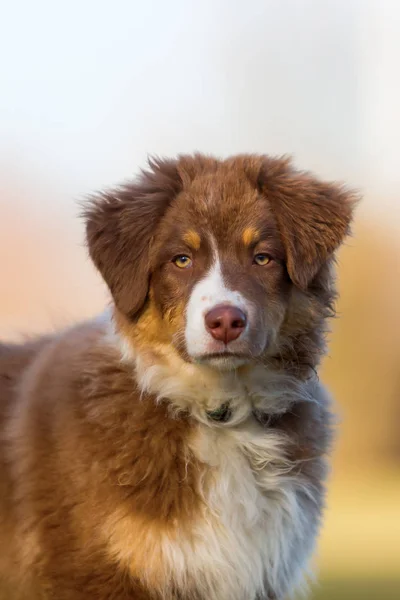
222 361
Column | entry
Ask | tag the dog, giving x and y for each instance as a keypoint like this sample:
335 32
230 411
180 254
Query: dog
177 447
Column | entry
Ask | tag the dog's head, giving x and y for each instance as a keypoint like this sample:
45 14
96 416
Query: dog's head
225 262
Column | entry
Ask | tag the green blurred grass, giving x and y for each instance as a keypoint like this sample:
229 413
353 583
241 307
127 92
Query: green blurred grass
357 590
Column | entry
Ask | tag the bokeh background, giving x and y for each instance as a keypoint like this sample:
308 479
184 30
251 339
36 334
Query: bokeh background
89 88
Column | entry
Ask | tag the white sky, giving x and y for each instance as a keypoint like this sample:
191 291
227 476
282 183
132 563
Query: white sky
88 88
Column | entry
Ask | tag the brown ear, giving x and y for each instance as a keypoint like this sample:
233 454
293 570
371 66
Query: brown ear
119 229
313 216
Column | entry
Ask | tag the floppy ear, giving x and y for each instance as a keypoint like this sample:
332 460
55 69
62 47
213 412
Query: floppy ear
313 216
119 229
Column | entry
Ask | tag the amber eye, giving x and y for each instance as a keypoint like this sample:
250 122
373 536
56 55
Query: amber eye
182 261
262 259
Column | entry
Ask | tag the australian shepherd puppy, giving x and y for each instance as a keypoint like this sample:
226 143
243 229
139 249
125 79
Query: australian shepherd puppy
176 449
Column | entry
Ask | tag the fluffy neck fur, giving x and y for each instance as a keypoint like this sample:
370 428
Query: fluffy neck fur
197 389
251 488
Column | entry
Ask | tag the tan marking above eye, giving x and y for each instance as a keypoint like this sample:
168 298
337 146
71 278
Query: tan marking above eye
192 239
250 236
182 261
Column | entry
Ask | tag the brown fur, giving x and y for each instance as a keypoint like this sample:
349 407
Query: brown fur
90 464
300 220
70 442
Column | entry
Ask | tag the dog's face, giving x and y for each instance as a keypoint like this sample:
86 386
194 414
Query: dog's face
206 256
218 273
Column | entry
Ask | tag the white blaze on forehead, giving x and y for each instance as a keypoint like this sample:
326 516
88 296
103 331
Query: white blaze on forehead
209 292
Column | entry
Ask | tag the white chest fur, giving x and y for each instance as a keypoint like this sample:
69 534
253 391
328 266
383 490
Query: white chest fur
253 538
257 529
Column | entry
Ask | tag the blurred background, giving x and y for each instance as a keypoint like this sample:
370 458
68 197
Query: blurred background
88 89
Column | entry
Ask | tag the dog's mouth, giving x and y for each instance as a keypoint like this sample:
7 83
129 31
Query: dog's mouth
225 353
223 360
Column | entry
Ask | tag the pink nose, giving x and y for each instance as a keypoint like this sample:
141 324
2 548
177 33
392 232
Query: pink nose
225 323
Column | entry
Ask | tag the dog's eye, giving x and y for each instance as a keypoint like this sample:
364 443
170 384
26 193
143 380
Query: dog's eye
262 259
182 261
